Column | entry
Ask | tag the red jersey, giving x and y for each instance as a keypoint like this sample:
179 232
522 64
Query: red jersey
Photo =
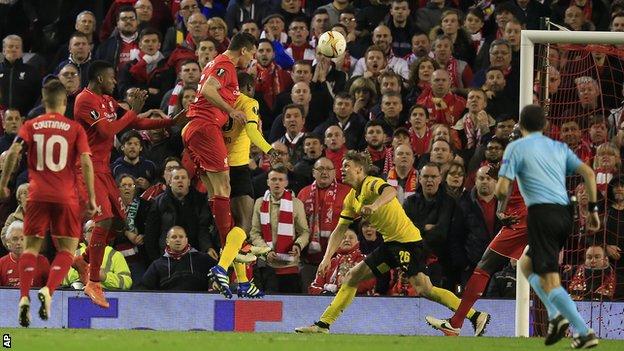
9 271
222 69
515 204
55 144
91 109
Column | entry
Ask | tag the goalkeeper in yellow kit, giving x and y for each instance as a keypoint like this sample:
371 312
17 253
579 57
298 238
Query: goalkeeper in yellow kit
375 200
238 139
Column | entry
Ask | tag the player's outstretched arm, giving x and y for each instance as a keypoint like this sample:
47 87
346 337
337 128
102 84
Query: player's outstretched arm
10 163
87 173
256 137
336 237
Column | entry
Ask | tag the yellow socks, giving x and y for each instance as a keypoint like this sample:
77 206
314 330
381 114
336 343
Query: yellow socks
241 272
448 299
342 300
233 243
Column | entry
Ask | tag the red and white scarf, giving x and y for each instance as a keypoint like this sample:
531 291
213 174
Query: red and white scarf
452 69
411 182
173 99
285 226
269 81
177 255
312 207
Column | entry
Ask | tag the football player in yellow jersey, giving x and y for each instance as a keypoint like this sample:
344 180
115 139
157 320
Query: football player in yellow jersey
238 139
376 200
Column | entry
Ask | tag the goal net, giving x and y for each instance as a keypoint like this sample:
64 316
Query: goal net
578 78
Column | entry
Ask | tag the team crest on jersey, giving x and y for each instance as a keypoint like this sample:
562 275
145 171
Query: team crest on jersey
94 115
220 72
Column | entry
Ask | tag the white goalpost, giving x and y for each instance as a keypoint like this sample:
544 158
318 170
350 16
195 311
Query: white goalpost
527 53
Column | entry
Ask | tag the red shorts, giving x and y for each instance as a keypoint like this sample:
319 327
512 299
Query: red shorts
511 241
61 219
107 198
204 147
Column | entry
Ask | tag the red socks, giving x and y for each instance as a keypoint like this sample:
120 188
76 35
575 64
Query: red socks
474 288
96 252
27 267
58 269
222 215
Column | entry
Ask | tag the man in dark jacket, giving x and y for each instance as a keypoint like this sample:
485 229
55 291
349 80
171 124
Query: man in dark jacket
79 56
181 267
123 46
352 124
433 211
185 207
20 83
479 220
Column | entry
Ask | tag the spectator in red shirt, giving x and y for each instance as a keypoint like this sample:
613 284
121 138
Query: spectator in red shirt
9 272
420 134
347 256
444 106
322 202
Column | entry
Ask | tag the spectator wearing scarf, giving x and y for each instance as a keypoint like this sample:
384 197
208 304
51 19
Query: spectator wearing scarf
322 201
279 221
403 177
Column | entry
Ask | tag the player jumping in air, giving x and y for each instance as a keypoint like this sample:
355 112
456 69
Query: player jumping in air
96 110
205 147
54 144
374 199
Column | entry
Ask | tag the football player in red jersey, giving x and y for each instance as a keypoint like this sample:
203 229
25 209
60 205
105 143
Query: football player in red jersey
205 148
508 244
96 110
54 144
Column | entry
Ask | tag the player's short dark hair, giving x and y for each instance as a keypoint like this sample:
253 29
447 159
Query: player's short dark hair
150 31
129 135
291 106
279 168
359 159
53 93
97 68
245 79
125 8
532 118
344 95
312 135
242 40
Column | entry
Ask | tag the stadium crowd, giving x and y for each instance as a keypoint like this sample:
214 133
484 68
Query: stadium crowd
428 89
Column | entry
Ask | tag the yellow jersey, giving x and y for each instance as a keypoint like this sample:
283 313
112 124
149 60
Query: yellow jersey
390 219
238 137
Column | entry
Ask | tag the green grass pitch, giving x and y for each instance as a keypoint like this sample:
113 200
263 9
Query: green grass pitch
144 340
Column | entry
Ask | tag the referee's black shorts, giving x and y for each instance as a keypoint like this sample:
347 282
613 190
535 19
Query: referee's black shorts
240 181
549 226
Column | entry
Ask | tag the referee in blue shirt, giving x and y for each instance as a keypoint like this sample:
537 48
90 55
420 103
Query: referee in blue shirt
540 166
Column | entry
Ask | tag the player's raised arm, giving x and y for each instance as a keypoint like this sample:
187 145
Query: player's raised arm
10 163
